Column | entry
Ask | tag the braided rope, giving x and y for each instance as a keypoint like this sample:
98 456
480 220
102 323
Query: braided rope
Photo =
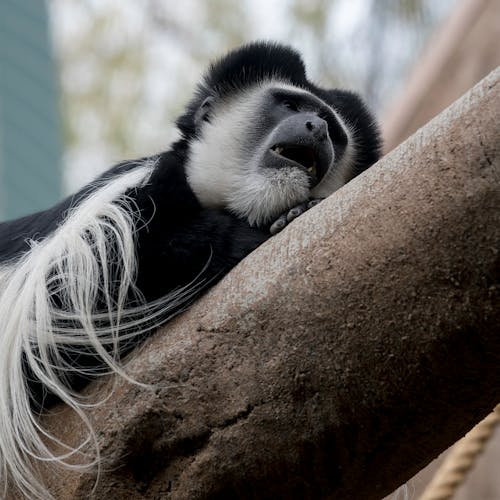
460 460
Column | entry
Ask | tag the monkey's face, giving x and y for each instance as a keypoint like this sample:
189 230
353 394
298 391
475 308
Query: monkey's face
263 150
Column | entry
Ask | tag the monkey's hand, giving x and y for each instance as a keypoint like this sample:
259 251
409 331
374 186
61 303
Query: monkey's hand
287 217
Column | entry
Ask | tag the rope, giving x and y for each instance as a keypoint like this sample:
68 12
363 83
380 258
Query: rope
460 460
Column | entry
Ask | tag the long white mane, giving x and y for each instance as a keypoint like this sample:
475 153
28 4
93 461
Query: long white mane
48 307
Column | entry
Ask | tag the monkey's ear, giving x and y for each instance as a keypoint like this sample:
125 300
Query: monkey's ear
202 114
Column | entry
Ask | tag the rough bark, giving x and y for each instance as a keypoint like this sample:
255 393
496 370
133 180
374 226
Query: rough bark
340 357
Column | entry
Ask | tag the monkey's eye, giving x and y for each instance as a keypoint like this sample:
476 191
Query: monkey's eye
202 114
205 109
290 104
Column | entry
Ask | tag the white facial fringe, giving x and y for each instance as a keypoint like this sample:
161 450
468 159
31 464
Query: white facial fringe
90 257
261 196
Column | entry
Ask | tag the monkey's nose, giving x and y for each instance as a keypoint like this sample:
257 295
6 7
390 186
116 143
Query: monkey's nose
317 127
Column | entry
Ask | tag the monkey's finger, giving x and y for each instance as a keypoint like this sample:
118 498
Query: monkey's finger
278 225
314 202
295 212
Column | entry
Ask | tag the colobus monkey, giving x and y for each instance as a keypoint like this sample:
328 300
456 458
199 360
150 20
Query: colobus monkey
85 281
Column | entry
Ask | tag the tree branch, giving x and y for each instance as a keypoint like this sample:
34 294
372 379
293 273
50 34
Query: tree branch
341 356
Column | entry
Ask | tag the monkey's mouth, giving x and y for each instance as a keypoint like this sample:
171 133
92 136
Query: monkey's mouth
303 155
313 160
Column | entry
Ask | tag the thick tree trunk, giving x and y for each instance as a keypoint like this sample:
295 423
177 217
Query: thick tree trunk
340 357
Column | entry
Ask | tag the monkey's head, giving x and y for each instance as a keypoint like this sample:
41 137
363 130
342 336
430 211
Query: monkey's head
263 138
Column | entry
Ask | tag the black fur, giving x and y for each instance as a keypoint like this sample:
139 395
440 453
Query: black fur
179 237
182 237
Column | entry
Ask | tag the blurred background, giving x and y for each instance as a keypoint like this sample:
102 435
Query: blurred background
87 83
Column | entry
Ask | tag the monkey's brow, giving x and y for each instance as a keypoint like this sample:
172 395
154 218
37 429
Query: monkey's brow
299 95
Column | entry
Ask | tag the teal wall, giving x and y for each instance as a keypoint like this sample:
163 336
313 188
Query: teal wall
30 128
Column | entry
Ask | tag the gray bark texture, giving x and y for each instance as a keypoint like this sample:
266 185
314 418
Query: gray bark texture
340 357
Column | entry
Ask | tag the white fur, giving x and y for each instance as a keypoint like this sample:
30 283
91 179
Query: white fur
213 172
77 258
260 195
223 174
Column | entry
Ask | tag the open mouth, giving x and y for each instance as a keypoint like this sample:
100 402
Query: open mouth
303 155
